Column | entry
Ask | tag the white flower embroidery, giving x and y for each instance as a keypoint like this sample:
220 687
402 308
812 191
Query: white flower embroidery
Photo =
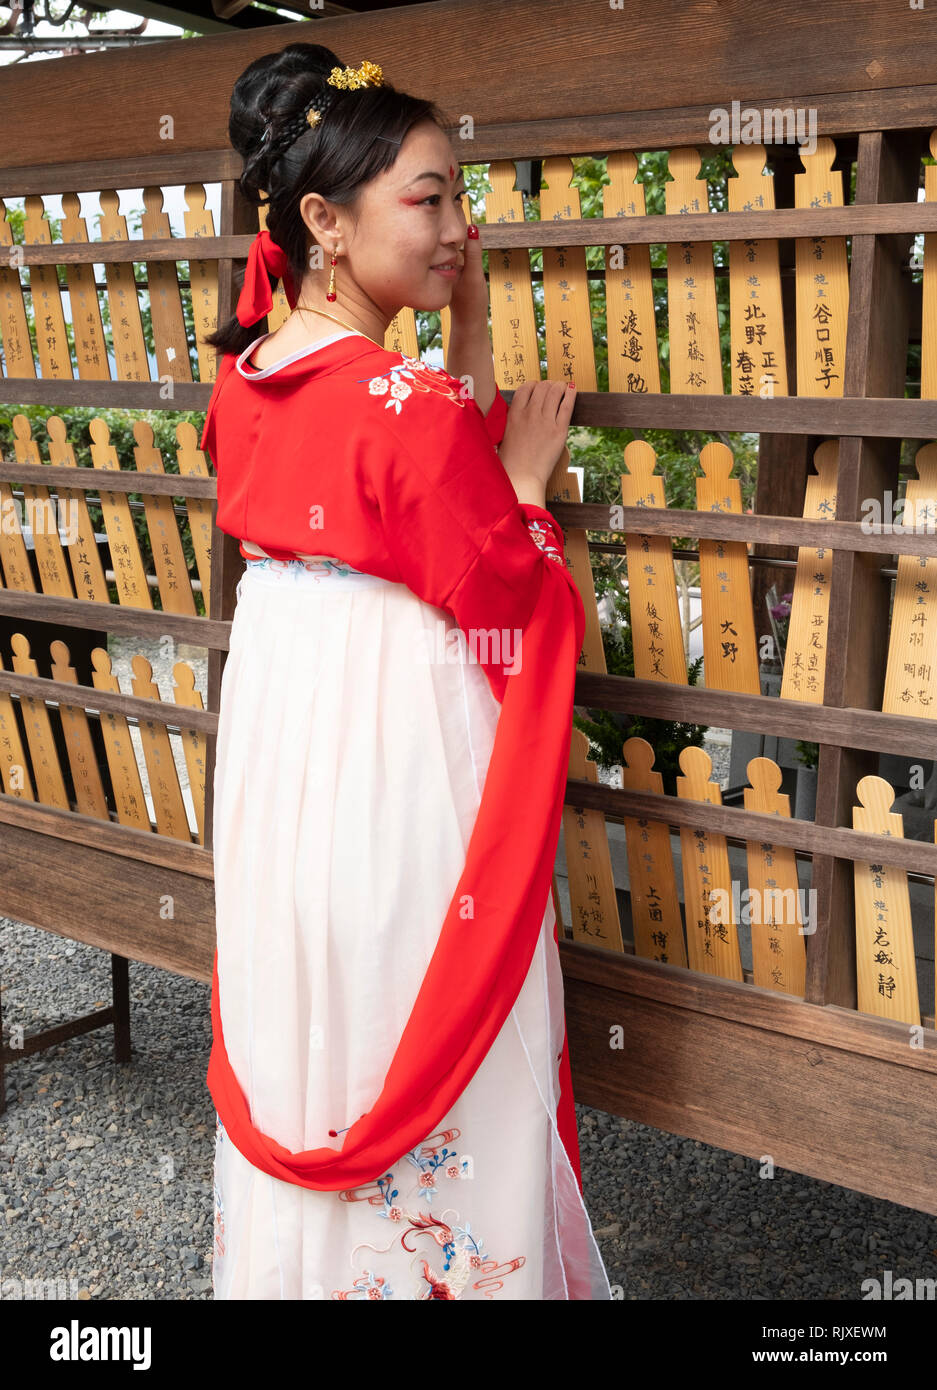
545 538
399 390
395 383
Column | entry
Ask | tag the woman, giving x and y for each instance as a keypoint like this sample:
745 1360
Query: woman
389 1063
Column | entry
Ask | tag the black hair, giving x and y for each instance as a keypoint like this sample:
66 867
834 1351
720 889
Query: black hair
357 139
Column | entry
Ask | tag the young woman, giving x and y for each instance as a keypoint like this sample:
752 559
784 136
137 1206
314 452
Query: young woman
389 1062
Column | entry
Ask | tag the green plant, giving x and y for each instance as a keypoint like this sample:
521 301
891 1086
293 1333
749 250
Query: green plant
808 753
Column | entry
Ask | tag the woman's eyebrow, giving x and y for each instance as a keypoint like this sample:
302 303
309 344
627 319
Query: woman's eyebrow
432 174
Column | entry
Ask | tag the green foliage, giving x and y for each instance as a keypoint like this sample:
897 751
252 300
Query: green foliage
808 753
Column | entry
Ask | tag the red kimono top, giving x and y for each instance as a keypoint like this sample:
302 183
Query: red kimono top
376 459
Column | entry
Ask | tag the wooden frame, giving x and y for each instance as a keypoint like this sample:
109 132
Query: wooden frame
811 1083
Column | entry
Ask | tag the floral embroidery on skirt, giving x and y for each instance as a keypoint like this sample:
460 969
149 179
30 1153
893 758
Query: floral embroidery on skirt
447 1255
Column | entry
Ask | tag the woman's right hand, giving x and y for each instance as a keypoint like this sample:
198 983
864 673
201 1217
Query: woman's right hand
535 434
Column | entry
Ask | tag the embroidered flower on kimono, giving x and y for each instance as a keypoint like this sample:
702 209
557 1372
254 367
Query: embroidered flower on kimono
463 1254
399 390
430 1164
468 1240
373 1285
367 1285
543 537
414 376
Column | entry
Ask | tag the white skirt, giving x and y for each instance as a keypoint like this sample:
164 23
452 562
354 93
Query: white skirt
350 765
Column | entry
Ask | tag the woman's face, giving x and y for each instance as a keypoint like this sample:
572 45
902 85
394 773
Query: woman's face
407 220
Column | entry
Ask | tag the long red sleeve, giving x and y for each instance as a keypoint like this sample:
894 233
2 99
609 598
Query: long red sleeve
497 418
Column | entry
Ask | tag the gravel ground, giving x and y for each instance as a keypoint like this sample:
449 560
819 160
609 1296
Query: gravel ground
106 1170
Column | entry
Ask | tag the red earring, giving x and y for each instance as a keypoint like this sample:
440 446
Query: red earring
331 296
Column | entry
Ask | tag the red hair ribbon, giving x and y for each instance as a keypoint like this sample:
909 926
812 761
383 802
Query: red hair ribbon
265 259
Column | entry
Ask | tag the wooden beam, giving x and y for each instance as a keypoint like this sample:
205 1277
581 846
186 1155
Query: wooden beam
816 1089
794 56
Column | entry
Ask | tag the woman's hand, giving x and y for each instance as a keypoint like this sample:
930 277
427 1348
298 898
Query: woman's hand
469 351
469 303
535 435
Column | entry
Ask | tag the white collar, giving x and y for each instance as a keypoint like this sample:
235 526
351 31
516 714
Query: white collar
255 375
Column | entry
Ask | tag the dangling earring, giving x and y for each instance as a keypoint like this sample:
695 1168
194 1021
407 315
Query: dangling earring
331 296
